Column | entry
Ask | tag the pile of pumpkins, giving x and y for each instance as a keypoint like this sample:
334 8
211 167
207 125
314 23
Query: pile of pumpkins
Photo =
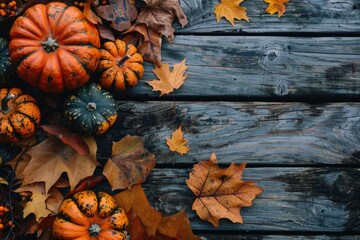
55 49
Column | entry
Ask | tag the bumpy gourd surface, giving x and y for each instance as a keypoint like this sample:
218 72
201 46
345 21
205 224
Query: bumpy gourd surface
54 46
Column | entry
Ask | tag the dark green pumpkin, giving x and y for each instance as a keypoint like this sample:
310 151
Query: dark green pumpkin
5 62
91 111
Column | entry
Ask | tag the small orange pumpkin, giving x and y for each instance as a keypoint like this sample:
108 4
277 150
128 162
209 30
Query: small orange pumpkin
19 115
120 65
89 216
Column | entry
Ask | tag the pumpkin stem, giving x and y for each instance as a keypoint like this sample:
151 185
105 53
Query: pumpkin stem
91 106
50 45
4 103
121 61
94 229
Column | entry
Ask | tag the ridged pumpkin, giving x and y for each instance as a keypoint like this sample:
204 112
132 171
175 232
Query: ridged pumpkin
90 111
5 62
120 65
19 115
88 215
54 47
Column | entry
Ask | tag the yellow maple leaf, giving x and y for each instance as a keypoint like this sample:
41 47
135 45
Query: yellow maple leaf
276 6
168 80
37 205
230 9
177 142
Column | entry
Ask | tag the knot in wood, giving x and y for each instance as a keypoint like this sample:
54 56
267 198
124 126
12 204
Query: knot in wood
272 56
342 188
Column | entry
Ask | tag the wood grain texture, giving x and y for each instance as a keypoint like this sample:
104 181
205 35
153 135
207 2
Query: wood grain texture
301 16
242 236
261 67
294 199
255 132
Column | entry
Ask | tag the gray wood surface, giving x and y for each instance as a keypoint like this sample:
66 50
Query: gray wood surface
254 132
294 199
262 67
301 16
242 236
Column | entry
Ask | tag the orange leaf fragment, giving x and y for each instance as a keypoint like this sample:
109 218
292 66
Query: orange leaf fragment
177 142
276 6
221 193
168 80
230 9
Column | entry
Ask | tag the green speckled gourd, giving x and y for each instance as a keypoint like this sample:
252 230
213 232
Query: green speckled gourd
91 111
5 62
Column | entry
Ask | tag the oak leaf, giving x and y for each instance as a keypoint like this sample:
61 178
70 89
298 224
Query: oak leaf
37 206
230 9
168 80
129 164
159 15
51 158
276 6
147 224
221 193
177 142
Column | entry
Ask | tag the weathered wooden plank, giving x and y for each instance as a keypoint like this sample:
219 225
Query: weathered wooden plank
301 16
242 236
265 67
255 132
294 199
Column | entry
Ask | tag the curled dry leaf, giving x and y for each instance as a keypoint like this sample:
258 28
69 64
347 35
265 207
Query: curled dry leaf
169 80
177 142
230 9
276 6
220 193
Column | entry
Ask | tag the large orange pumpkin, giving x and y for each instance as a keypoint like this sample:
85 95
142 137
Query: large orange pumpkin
54 47
90 216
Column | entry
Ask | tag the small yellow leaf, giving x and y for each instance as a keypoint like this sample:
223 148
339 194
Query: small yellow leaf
230 9
3 181
177 142
168 80
37 205
276 6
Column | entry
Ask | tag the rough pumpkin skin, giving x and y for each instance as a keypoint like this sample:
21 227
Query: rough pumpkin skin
90 216
19 115
120 65
54 47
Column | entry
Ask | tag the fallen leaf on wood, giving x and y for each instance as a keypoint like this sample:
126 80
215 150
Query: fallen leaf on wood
276 6
221 193
130 163
168 80
51 158
159 15
177 142
119 12
230 9
148 42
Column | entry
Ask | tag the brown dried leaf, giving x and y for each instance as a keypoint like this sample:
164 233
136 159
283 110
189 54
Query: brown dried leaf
230 9
276 6
89 14
221 193
130 163
177 142
37 206
168 80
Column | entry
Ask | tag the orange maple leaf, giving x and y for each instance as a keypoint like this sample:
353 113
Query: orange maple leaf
230 9
276 6
221 193
168 80
177 142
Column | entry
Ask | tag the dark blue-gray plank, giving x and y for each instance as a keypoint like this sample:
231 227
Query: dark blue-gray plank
294 199
254 132
261 67
315 16
265 236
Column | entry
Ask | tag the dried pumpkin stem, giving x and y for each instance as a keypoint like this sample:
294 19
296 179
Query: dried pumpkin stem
91 106
4 103
94 229
121 61
50 45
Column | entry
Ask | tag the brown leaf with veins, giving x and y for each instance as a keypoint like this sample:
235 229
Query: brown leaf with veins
169 80
130 163
159 15
51 158
119 12
148 42
230 9
177 142
276 6
221 193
